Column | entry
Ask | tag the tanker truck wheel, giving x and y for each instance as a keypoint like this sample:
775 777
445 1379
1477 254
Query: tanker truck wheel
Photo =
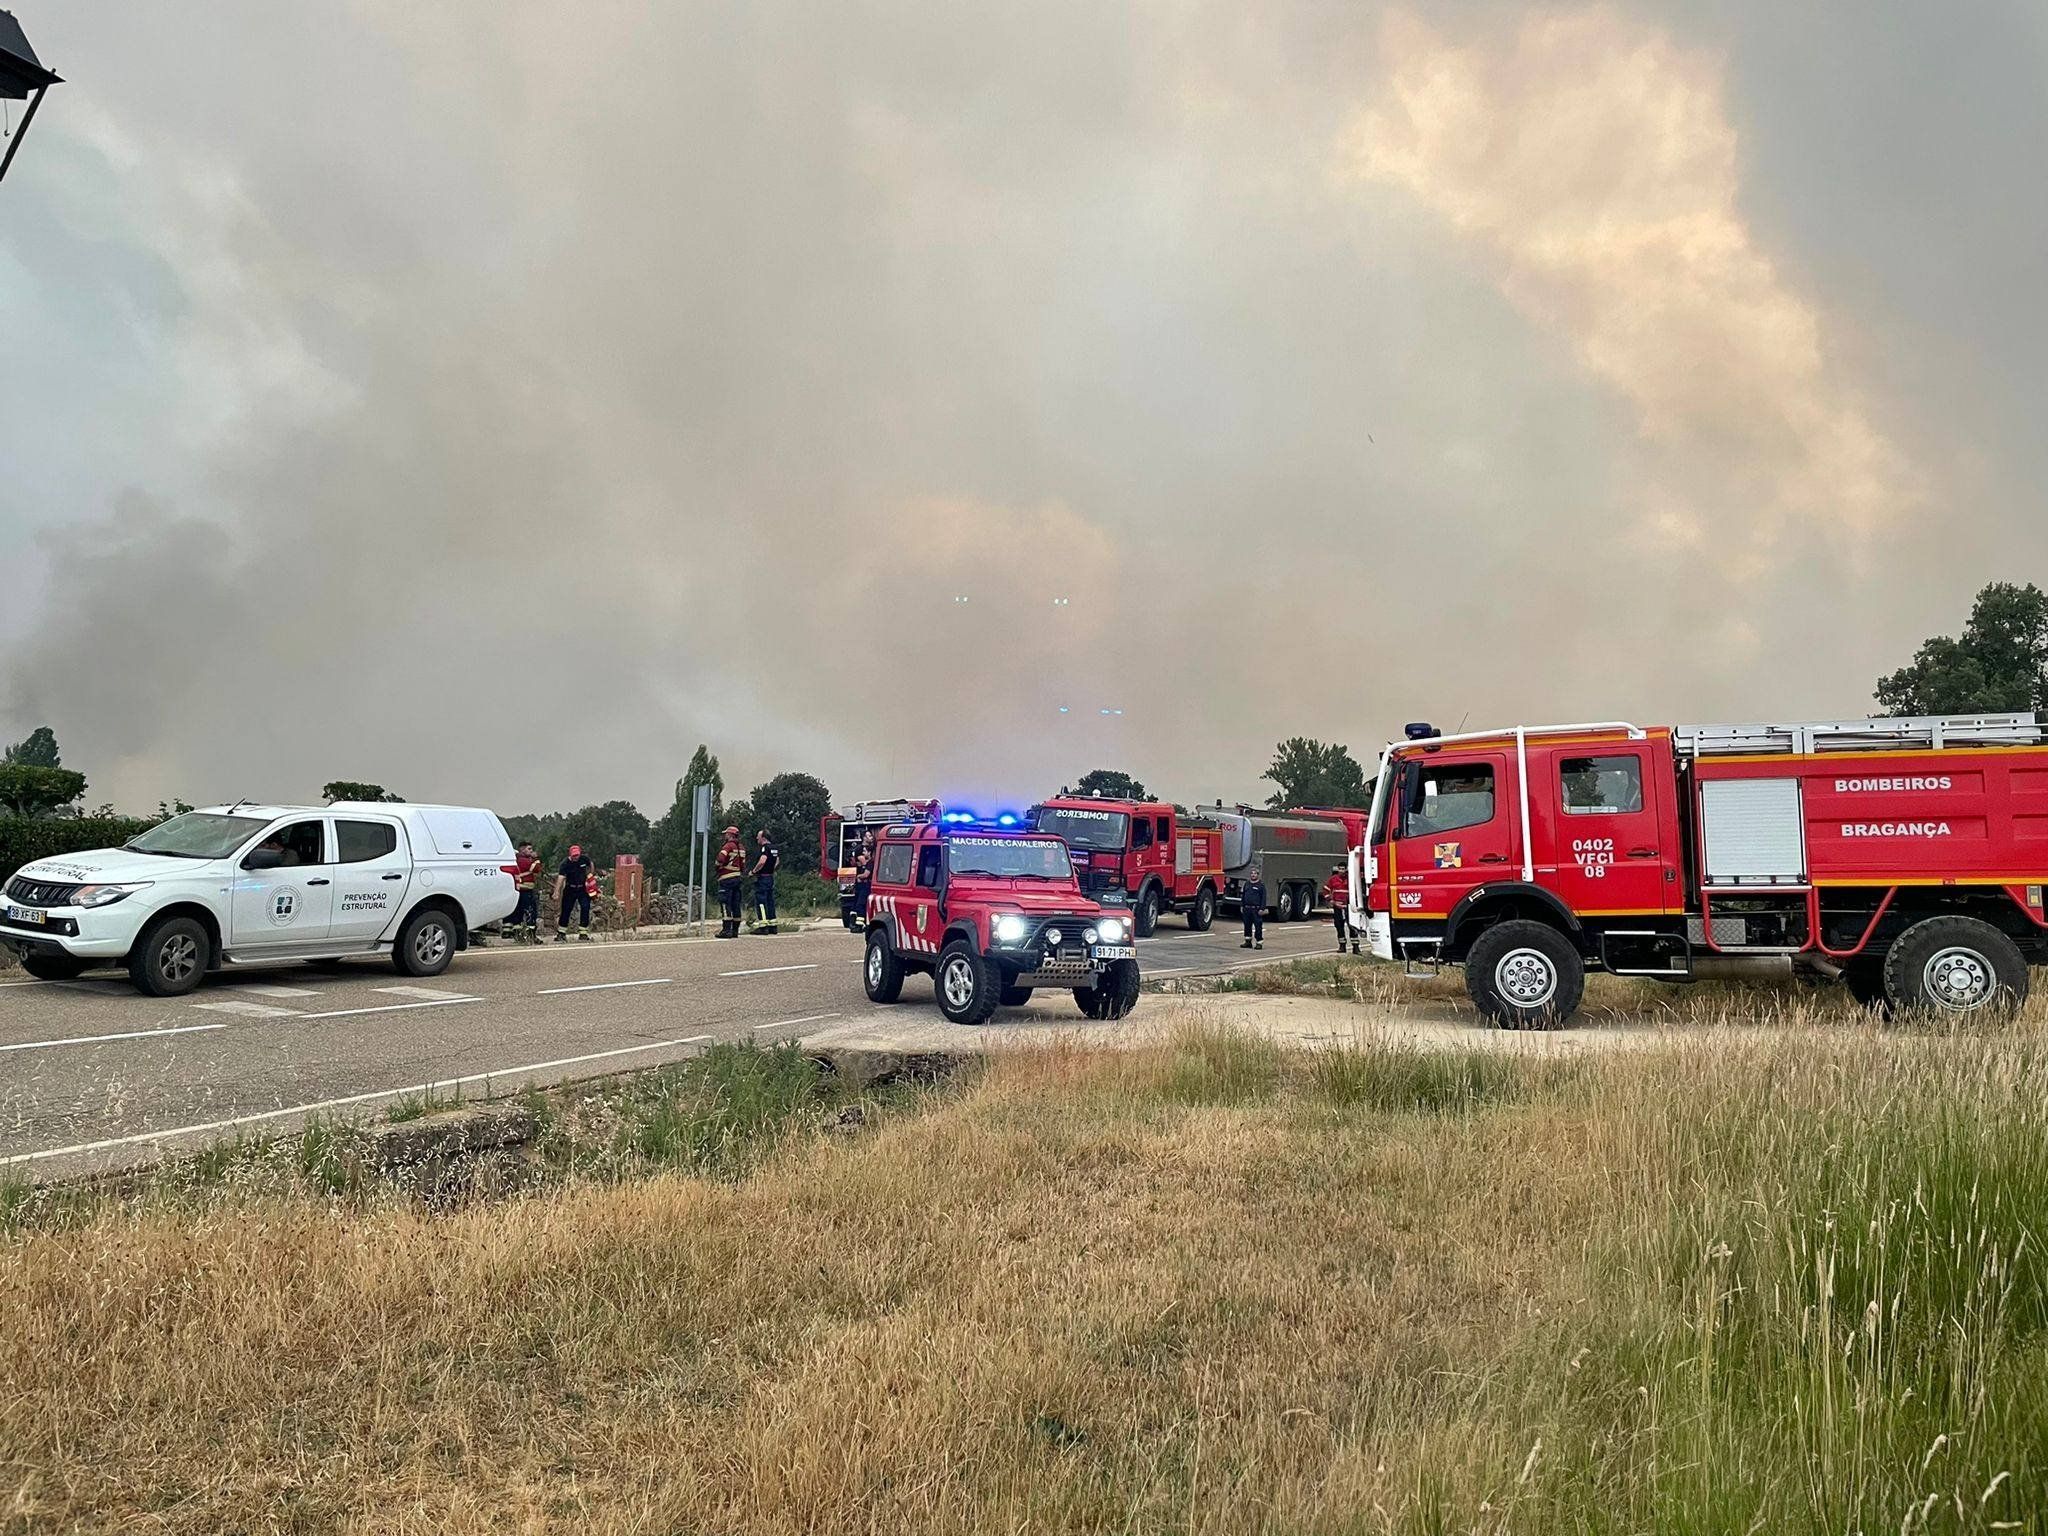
1525 975
1203 912
1283 909
1953 966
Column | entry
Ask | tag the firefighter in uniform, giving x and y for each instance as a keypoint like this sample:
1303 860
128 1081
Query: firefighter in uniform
1340 909
525 924
863 882
765 861
1251 905
575 883
732 865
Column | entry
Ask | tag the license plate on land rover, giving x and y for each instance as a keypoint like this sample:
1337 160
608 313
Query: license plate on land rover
1114 952
34 916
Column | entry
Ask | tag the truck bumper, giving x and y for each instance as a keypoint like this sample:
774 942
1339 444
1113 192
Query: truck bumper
83 935
1379 935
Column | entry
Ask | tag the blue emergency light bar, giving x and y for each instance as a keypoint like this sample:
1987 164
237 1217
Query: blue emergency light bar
1004 819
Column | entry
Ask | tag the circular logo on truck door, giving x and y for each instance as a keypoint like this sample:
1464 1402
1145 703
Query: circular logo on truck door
284 907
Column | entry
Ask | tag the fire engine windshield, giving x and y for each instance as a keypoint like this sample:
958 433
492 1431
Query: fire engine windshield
1085 829
1009 858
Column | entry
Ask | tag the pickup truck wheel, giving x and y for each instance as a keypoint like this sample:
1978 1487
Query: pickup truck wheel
1283 912
1525 975
1147 916
425 944
1203 912
1115 996
171 957
45 967
1016 997
968 985
1955 965
881 972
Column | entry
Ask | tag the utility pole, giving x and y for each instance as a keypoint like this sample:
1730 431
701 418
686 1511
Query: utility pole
22 78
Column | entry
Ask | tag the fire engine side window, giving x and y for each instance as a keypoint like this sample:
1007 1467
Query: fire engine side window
1141 832
1164 831
893 867
928 866
1601 786
1446 796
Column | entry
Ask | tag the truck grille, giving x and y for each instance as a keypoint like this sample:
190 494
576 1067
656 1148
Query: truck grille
35 894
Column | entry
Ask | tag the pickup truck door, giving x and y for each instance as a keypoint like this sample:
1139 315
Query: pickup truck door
284 889
372 872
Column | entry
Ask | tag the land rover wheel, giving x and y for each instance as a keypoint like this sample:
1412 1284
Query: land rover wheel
425 944
1525 975
1203 912
881 972
1955 965
1147 915
48 967
1115 995
1284 911
968 986
171 956
1016 997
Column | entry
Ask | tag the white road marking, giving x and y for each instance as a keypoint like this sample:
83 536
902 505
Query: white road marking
769 970
250 1010
602 986
347 1013
341 1103
807 1019
267 991
132 1034
432 994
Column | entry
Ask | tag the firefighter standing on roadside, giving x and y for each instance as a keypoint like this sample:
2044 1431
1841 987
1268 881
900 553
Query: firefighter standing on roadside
732 865
1251 905
863 880
1340 909
525 924
766 859
573 884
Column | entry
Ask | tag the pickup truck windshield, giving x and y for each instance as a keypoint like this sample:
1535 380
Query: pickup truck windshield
1009 858
197 835
1085 829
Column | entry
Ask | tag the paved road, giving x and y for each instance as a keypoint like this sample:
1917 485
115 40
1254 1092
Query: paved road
94 1074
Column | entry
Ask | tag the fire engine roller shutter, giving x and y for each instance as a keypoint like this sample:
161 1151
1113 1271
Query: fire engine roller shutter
1755 833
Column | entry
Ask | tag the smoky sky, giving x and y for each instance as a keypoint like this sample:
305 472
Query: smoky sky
495 401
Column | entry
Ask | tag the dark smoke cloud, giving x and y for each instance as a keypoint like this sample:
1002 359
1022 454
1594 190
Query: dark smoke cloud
495 402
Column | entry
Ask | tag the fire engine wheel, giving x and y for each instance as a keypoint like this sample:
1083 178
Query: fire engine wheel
1203 912
969 986
881 972
1284 911
1955 965
1525 975
1117 995
1147 916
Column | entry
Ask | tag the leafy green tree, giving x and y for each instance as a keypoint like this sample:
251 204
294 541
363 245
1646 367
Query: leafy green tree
602 831
28 789
668 844
1111 783
352 789
36 750
790 806
1317 773
1998 663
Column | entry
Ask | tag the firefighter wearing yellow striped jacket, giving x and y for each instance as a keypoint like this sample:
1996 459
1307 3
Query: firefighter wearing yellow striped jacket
732 867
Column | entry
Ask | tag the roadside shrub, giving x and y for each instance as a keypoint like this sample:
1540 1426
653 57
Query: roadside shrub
24 839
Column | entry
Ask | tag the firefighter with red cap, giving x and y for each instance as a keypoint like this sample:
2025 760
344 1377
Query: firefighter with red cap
525 924
1340 909
732 868
575 882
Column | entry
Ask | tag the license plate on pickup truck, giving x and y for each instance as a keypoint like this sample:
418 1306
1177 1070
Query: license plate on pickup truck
34 916
1114 952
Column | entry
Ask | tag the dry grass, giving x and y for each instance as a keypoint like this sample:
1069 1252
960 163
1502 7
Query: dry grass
1742 1284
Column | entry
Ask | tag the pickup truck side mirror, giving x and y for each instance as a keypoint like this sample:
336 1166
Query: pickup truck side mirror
264 858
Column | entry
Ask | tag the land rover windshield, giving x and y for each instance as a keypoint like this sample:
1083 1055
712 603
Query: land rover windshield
1009 858
1085 829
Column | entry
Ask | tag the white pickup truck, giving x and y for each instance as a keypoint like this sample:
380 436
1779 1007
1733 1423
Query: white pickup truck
256 884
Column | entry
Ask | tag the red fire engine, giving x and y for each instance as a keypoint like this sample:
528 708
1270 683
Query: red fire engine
1907 857
840 834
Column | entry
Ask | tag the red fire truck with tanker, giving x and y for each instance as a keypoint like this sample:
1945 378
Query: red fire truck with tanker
1165 858
1906 857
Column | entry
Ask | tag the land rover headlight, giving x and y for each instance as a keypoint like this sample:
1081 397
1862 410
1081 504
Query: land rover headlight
1052 938
1110 930
1009 928
106 895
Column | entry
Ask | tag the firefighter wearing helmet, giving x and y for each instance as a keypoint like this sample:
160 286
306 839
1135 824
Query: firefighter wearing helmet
732 867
